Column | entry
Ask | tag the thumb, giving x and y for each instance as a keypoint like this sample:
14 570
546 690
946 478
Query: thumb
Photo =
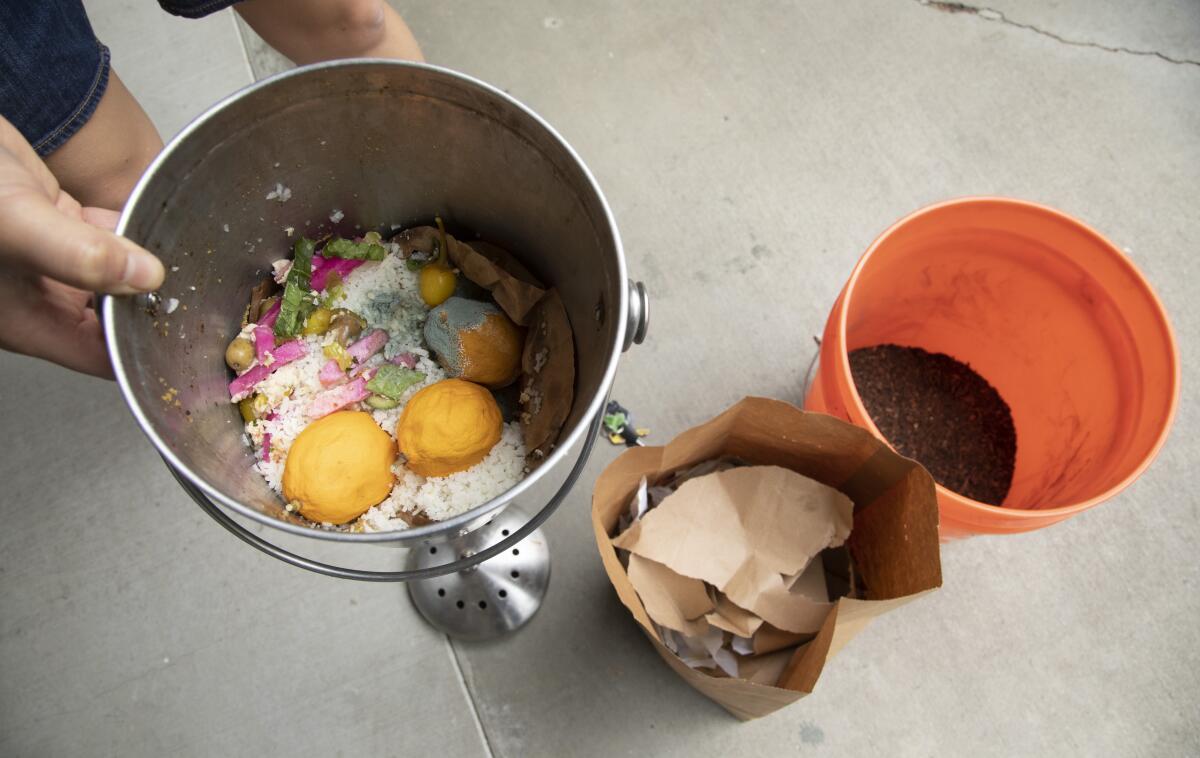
46 241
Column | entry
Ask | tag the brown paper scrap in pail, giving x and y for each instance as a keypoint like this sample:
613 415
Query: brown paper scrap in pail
893 543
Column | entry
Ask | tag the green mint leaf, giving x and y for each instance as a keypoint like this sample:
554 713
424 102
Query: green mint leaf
296 303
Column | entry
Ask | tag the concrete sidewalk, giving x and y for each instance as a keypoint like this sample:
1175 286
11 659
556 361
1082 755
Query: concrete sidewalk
750 152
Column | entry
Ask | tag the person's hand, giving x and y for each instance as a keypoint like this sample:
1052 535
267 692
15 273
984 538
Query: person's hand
53 255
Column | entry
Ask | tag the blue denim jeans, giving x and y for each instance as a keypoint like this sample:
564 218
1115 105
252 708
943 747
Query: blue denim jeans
53 70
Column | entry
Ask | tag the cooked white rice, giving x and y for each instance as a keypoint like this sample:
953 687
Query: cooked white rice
439 496
280 193
387 295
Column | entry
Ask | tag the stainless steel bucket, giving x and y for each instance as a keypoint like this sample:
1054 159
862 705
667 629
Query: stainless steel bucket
385 143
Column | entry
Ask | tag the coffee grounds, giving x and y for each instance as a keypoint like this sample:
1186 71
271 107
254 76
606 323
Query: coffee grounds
939 412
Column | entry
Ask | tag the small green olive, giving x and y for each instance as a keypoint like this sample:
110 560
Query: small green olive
254 407
347 313
346 325
382 402
246 408
240 354
318 321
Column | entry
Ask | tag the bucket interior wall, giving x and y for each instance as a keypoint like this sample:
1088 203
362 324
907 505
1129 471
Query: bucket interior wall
1057 324
385 146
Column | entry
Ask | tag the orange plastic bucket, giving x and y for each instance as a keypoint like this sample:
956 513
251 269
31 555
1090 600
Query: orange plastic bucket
1046 309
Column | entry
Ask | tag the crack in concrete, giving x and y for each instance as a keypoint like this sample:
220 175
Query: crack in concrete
991 14
466 688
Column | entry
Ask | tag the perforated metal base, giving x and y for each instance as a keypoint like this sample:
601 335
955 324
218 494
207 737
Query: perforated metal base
489 600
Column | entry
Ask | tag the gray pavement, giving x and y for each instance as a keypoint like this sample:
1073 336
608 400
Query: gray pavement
750 152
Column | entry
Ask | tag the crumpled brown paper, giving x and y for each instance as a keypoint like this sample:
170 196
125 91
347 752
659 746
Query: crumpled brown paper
743 531
674 601
547 376
547 384
506 261
893 545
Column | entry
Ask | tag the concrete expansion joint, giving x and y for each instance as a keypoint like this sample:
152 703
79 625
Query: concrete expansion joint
991 14
466 688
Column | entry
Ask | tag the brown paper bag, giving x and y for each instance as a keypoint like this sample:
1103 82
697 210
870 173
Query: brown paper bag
893 544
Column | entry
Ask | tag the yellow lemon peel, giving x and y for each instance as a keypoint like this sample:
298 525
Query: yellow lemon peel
491 354
338 467
448 427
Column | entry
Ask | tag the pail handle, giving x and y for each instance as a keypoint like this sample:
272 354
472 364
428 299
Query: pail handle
637 320
341 572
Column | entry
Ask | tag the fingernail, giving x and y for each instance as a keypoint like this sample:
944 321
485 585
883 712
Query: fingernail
142 270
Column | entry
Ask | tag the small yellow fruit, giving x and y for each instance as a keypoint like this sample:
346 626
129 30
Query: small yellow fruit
338 467
437 284
448 427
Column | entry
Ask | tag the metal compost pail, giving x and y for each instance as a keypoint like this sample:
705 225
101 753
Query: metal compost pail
385 143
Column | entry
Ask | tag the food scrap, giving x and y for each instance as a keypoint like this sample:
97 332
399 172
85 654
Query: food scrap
475 341
448 427
364 373
338 467
438 280
618 424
